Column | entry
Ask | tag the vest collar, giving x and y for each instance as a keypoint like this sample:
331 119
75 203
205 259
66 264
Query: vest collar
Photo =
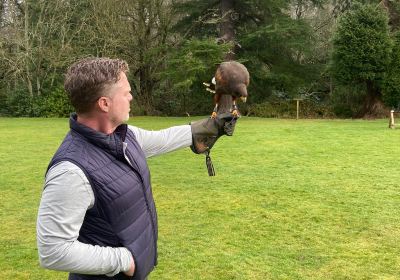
111 143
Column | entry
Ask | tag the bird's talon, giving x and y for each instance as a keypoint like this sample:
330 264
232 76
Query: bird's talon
235 113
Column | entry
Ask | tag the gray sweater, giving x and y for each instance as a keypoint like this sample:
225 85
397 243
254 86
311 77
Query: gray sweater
66 197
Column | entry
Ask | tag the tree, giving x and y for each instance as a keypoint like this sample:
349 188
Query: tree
41 45
391 83
274 45
147 38
186 67
361 53
39 40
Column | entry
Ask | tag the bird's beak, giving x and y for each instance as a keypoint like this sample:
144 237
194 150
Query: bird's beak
244 99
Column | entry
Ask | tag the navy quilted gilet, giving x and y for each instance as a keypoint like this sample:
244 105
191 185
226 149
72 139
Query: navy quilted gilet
124 214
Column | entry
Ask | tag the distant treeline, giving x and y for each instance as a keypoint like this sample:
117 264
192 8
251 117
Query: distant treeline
341 57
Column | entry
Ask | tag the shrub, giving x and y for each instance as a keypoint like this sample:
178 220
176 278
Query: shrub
18 104
346 101
287 109
52 104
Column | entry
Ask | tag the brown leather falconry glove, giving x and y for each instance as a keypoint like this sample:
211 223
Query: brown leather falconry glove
207 131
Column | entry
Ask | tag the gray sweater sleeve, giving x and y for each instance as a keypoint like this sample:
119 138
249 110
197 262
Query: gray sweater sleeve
66 197
159 142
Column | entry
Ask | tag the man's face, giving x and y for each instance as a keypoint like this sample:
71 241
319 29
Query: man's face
120 97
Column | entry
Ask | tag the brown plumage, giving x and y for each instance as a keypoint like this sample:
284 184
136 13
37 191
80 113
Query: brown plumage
231 78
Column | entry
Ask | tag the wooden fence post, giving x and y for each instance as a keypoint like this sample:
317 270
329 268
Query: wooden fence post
297 107
391 120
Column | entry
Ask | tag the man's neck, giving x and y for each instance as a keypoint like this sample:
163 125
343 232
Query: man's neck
98 123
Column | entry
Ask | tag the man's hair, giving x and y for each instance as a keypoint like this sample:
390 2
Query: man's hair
87 79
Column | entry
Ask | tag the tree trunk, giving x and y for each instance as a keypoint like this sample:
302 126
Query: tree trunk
27 49
226 35
38 86
373 106
145 91
227 27
29 84
394 17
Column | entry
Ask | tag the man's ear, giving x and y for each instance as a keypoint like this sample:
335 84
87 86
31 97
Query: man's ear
104 104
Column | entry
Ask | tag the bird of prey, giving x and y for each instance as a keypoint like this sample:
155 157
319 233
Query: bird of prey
231 78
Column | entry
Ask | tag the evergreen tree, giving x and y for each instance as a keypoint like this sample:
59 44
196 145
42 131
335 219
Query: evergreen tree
272 38
361 53
391 84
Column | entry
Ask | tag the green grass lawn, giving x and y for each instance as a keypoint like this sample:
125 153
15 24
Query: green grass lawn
307 199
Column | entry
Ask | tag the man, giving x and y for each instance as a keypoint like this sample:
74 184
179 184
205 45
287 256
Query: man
97 218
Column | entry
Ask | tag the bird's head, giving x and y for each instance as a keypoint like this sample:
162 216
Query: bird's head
241 92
